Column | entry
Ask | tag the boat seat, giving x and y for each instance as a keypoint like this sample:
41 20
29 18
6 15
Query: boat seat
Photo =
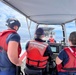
32 72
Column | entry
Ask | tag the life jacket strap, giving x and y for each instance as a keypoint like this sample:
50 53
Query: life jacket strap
72 51
38 62
69 69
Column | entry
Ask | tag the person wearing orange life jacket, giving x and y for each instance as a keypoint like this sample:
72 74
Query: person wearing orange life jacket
51 39
37 50
10 48
66 60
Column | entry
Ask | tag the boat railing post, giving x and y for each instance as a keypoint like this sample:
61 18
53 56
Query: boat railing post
75 22
64 34
28 25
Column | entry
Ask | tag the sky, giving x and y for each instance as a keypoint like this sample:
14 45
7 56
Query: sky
7 12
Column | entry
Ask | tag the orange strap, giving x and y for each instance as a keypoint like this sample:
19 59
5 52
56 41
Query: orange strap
23 56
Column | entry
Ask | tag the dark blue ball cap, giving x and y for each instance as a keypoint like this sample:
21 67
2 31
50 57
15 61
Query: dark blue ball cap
39 31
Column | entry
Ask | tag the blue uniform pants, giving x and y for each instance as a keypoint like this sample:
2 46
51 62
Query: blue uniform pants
8 72
67 73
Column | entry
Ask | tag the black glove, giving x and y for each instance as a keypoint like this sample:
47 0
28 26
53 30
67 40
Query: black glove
18 70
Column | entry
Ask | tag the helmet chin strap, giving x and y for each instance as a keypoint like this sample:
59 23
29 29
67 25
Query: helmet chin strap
14 28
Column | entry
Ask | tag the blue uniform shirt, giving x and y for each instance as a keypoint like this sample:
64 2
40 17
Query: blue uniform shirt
63 56
13 37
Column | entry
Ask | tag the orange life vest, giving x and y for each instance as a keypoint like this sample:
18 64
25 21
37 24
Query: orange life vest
3 37
52 40
35 54
71 64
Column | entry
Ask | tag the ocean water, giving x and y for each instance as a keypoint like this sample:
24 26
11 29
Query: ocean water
23 45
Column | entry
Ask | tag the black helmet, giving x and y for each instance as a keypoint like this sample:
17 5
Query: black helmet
12 22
